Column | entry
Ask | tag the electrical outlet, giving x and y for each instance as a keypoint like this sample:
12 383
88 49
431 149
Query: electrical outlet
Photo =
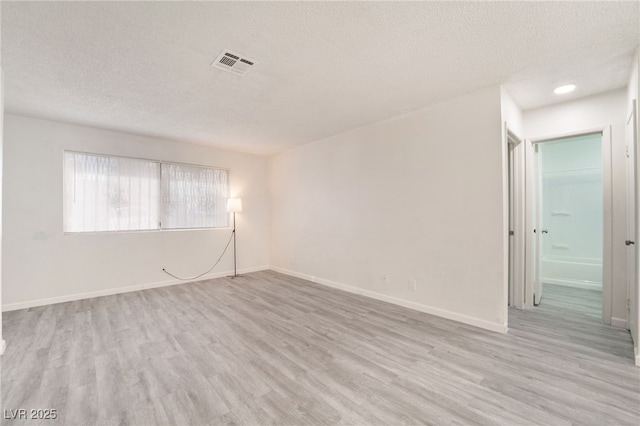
413 284
385 279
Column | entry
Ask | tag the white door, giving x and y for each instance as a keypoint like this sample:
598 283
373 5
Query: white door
632 234
540 229
512 211
533 287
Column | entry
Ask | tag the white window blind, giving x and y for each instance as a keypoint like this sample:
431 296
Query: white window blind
104 193
194 197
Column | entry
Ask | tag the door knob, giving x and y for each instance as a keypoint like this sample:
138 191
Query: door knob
629 242
545 231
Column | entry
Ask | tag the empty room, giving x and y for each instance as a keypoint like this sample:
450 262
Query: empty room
325 213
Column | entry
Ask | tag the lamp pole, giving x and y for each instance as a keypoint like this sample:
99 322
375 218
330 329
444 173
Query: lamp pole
234 205
235 271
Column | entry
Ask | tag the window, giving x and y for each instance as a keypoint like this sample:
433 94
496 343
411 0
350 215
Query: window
110 193
106 193
194 197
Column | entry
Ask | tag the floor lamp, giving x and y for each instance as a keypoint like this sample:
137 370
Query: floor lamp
234 205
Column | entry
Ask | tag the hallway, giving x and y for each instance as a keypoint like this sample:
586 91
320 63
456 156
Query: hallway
572 318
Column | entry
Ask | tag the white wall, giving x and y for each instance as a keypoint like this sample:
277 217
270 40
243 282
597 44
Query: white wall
417 197
511 113
633 89
42 265
588 113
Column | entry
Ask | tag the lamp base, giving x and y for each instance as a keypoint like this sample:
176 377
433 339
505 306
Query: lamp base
234 276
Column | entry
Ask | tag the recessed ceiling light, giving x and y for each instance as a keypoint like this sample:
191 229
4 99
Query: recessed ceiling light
564 89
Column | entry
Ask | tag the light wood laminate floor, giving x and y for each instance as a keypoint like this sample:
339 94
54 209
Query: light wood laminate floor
271 349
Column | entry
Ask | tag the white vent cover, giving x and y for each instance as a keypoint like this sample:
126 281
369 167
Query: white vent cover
233 63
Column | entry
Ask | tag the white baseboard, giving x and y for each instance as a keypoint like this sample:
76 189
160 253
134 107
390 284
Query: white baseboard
637 355
3 346
477 322
587 285
619 322
119 290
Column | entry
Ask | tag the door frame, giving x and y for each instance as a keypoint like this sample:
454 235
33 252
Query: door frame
515 150
633 285
607 206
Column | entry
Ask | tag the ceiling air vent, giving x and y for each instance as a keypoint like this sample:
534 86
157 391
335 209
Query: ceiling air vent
232 63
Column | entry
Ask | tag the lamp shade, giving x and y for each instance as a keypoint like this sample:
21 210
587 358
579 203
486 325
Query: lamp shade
234 205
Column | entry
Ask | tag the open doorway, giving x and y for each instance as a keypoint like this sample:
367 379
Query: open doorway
568 223
572 259
569 199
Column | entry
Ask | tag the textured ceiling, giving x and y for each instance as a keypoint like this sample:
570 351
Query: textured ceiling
321 68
